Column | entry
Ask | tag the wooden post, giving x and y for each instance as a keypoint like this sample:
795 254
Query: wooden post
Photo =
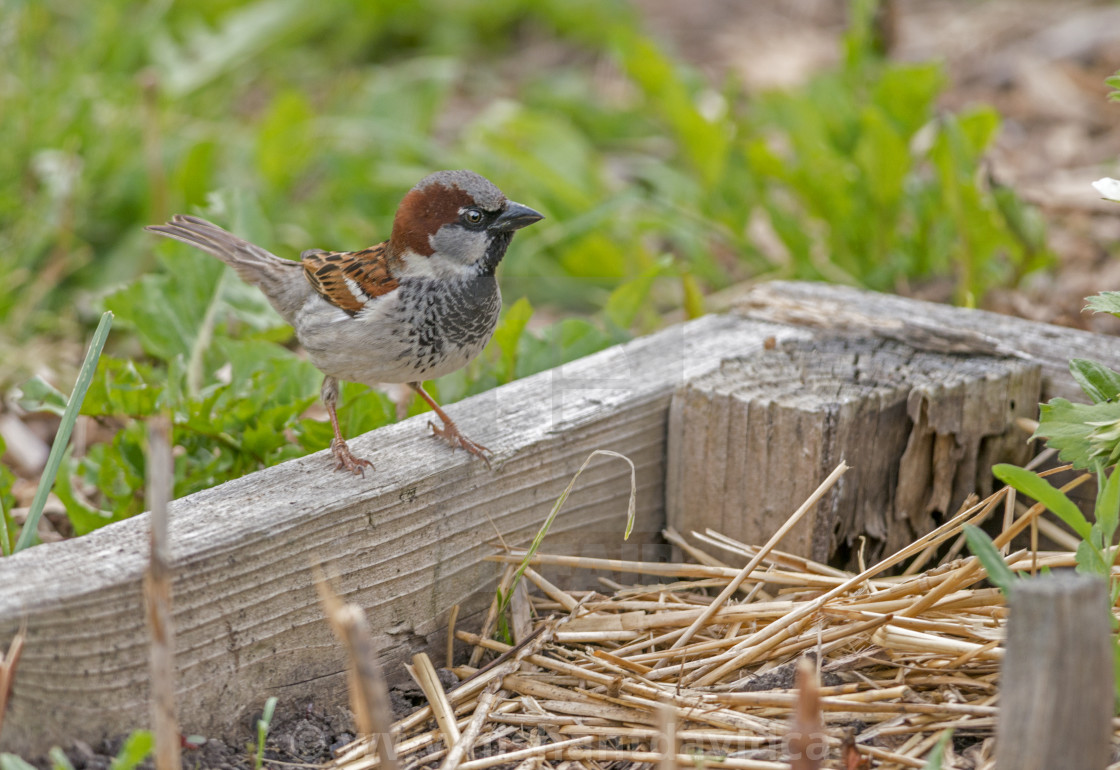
1056 689
751 440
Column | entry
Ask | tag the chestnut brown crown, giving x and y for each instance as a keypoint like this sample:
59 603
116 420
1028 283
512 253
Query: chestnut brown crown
460 199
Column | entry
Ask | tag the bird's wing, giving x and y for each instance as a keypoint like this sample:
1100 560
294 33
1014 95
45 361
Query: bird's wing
350 279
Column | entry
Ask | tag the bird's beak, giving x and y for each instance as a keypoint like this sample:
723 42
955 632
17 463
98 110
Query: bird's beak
515 217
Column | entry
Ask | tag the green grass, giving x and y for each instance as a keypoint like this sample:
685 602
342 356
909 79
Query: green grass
301 124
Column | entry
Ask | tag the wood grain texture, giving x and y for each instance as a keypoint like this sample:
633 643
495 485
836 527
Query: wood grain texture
929 326
1056 697
406 543
750 441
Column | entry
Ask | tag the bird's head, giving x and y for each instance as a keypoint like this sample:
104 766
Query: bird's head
455 223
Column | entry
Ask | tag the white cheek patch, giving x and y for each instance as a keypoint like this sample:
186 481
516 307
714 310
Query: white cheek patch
435 266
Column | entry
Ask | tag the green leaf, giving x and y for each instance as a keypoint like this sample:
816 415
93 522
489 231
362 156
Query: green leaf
1098 381
169 310
286 142
704 142
1105 302
693 296
1032 485
884 157
1084 434
508 335
263 725
122 389
1090 560
135 750
985 550
629 298
12 762
244 32
59 760
38 395
1107 508
1114 95
907 92
83 518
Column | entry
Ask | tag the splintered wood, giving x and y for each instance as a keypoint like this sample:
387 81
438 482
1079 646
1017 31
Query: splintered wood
867 669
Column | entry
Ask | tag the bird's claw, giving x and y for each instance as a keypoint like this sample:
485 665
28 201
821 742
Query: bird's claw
347 460
450 433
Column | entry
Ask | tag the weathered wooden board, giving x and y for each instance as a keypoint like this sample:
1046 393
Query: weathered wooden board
750 441
929 326
407 543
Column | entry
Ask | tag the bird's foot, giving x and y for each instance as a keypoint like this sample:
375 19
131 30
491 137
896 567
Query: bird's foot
452 435
347 460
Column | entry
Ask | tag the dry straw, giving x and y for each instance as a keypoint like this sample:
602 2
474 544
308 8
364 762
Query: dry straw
693 664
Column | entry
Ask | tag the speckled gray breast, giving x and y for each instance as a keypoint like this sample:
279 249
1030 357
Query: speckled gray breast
445 324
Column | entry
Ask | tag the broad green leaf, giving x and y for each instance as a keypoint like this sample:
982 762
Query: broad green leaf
626 301
83 518
1090 560
1105 302
285 140
244 32
883 155
508 334
38 395
1083 434
1098 381
705 142
985 550
12 762
122 388
906 92
1032 485
169 310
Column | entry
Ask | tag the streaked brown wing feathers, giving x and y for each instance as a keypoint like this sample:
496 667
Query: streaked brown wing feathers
350 279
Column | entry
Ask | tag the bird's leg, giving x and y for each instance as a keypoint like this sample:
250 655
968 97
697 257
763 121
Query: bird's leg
341 451
450 431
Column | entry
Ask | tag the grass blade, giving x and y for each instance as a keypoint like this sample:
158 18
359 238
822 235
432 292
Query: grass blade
631 513
1033 485
69 417
983 549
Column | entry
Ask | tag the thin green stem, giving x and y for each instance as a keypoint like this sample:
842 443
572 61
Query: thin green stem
5 538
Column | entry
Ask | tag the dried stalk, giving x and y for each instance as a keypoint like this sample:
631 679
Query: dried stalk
157 597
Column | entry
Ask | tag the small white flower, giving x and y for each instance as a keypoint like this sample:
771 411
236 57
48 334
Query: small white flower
1108 188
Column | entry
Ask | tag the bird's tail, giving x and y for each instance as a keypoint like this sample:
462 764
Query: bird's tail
248 260
273 275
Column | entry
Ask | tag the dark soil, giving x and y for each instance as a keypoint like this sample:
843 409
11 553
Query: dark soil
305 734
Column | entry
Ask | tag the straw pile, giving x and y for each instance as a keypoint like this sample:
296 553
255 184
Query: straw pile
696 662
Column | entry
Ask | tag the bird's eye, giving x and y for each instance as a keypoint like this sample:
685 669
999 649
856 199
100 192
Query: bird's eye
472 216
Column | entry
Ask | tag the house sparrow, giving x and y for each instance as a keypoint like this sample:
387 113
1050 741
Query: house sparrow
415 307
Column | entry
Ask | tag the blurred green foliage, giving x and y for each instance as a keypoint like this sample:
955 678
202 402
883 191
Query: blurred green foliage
301 124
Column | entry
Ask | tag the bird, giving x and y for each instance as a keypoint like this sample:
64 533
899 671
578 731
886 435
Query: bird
415 307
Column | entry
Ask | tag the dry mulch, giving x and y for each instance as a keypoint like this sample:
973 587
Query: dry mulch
891 664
